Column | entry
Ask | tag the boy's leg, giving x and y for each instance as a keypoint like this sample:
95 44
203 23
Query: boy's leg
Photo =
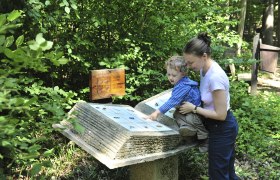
186 129
202 133
197 123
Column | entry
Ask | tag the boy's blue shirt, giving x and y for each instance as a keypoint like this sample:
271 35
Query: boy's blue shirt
185 90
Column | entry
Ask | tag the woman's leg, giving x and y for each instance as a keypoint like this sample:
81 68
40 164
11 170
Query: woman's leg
222 136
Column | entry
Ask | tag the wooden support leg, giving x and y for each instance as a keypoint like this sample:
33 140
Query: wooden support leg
162 169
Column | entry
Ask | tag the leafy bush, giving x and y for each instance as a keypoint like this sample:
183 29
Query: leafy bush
258 139
28 108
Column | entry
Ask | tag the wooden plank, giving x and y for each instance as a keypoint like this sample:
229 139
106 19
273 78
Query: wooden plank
266 47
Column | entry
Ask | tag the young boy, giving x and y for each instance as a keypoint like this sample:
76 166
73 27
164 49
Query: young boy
184 89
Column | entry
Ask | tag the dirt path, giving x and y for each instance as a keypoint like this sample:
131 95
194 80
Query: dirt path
270 82
266 81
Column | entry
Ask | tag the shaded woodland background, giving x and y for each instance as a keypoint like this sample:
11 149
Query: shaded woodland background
48 48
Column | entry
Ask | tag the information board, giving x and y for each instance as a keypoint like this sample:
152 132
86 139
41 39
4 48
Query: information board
106 83
129 118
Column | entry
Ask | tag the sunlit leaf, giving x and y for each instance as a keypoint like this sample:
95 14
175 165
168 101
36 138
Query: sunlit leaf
62 61
74 6
66 2
47 3
9 41
67 9
14 15
33 45
40 39
46 45
5 143
19 40
48 152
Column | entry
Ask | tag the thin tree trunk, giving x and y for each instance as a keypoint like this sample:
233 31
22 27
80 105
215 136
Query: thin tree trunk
231 66
241 25
278 24
268 23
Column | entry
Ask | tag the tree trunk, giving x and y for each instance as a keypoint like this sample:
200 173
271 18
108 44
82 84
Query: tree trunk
278 24
241 25
268 21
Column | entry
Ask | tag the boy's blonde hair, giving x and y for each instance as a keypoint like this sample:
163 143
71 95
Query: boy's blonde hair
177 63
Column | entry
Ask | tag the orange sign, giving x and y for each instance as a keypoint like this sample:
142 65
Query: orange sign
106 83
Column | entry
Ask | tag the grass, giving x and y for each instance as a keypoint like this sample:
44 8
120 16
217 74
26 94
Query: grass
71 162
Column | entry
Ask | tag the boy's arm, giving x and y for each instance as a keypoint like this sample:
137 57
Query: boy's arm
177 97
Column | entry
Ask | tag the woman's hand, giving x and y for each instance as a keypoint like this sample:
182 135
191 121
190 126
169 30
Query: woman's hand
186 107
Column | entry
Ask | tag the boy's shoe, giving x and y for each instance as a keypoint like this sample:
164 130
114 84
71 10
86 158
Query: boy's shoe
187 131
203 145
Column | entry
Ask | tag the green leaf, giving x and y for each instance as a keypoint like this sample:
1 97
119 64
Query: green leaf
9 53
47 3
34 148
36 168
2 19
39 39
31 101
4 29
2 119
59 55
14 15
67 9
74 6
30 155
2 40
5 143
62 61
9 41
66 3
47 163
46 45
19 40
33 45
48 152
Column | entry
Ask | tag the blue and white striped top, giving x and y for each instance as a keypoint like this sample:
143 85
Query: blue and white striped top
185 90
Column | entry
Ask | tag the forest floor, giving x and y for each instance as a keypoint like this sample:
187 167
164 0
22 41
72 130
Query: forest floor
270 82
266 81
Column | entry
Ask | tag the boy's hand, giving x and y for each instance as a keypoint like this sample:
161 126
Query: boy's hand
153 116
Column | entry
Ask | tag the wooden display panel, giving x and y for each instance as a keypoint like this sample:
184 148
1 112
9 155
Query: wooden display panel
106 83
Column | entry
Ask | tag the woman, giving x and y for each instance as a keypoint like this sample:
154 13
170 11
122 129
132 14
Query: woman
219 120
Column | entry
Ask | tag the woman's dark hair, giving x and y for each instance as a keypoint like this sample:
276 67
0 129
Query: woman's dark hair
198 45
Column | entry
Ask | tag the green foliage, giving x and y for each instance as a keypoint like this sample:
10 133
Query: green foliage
73 37
136 35
258 139
193 165
28 108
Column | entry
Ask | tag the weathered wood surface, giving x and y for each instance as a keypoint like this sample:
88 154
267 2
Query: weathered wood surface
116 146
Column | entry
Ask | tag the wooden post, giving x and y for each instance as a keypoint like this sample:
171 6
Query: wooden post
255 66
